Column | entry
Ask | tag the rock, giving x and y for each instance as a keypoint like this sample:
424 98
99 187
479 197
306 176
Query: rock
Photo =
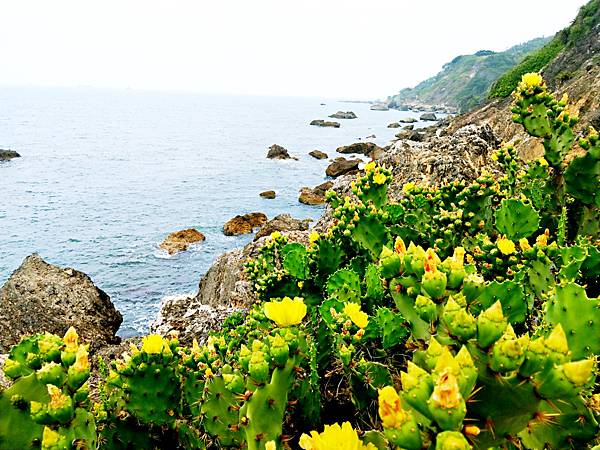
179 241
268 194
5 155
371 136
323 123
315 196
283 222
343 115
595 120
244 224
318 154
278 152
408 127
408 120
42 297
189 318
379 107
363 148
394 125
4 382
411 135
429 117
341 166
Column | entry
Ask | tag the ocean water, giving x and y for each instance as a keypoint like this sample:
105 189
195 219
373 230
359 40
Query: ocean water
105 175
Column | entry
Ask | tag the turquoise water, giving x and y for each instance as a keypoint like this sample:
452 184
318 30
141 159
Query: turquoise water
105 175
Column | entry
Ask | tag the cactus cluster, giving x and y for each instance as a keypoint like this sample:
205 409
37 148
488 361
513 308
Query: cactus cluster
465 315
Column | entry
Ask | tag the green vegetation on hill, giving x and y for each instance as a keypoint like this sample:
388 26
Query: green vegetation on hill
464 82
585 21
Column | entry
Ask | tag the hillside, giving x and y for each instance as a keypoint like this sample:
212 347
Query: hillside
574 70
464 82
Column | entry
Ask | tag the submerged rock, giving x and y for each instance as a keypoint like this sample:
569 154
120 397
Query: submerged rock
343 115
244 224
268 194
394 125
341 166
5 155
278 152
179 241
318 154
323 123
42 297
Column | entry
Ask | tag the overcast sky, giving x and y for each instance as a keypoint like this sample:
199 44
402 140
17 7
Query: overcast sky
332 48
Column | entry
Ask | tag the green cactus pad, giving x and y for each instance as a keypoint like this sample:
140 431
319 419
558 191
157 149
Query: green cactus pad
516 219
295 260
345 286
511 296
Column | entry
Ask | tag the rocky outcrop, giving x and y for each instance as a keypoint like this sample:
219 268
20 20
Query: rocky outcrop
343 115
5 155
411 135
278 152
268 194
316 195
363 148
325 123
42 297
318 154
244 224
189 318
408 120
394 125
429 117
379 107
341 166
438 159
283 223
179 241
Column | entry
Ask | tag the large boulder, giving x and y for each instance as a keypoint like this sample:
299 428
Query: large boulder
343 115
379 107
363 148
278 152
429 117
268 194
244 224
5 155
407 120
316 195
283 223
179 241
324 123
341 166
394 125
42 297
318 154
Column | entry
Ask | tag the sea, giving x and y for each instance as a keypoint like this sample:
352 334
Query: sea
105 175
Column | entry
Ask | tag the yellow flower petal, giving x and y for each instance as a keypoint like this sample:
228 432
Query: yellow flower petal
358 317
506 246
287 312
152 344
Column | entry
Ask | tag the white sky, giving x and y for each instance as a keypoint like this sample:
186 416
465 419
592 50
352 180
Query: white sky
331 48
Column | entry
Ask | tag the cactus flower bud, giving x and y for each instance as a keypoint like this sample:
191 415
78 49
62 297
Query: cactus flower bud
53 440
60 407
425 308
433 352
390 263
557 345
414 260
491 324
459 322
434 281
399 425
417 386
508 352
258 367
279 350
244 356
566 379
451 440
51 373
446 404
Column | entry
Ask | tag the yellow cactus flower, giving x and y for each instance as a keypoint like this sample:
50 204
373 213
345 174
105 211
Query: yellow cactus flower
286 312
542 161
153 344
360 318
208 373
313 237
71 340
408 187
196 350
506 246
370 166
399 246
275 235
542 239
334 437
532 79
446 392
390 408
494 156
524 244
57 398
82 362
50 438
379 178
270 445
